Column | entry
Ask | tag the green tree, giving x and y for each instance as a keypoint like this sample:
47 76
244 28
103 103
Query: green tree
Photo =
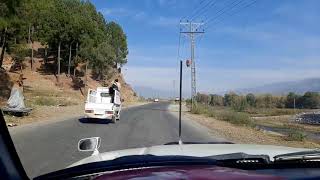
311 100
230 98
118 41
281 102
7 23
291 100
216 100
202 98
239 103
251 99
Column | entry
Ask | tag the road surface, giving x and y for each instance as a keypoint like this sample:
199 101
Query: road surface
49 146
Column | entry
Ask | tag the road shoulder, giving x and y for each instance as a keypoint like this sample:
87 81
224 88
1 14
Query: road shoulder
236 133
57 115
244 134
188 120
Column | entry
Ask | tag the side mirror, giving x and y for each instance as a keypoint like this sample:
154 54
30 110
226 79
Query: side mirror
90 144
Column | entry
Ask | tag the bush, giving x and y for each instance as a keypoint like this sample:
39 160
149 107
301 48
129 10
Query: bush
238 118
239 104
295 135
295 132
199 109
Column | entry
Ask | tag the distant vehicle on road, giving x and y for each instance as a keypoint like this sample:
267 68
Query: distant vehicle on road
103 104
156 100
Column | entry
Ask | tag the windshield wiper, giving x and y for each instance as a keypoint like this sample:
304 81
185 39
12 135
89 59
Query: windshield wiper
302 155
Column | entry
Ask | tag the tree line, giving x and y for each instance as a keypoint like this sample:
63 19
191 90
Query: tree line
310 100
72 31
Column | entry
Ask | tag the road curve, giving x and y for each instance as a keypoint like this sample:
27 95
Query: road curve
50 146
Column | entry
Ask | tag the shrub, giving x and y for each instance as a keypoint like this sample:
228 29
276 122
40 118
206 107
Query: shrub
238 118
295 135
199 109
295 132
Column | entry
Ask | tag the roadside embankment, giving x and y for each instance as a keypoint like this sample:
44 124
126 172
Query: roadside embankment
240 128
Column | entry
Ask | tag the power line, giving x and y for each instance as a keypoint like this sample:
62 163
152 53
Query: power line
233 13
201 10
196 9
205 9
223 11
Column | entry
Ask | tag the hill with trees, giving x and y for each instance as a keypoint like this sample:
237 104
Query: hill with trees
69 37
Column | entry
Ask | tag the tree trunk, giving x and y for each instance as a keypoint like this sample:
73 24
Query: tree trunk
46 55
59 58
29 34
69 64
74 62
32 55
31 41
3 46
77 46
86 76
99 76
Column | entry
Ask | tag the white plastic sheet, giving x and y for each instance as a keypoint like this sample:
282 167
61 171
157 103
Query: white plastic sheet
16 99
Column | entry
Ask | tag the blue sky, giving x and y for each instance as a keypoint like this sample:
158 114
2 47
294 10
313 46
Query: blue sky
270 41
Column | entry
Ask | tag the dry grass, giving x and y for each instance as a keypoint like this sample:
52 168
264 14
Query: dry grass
247 135
225 114
258 112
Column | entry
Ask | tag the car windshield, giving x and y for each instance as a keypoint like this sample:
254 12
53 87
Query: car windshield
245 72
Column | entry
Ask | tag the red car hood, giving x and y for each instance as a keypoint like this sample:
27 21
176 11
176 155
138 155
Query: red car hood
186 172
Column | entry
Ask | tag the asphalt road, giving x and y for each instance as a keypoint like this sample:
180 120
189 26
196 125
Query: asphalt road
49 146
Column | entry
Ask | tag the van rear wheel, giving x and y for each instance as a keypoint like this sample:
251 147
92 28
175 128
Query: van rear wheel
113 119
118 116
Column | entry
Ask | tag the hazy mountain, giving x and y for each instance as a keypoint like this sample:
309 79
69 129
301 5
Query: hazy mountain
280 88
149 92
300 87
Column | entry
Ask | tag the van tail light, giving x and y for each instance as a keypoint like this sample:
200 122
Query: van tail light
109 112
88 111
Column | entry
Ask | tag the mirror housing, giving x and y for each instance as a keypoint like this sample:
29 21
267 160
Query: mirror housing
90 144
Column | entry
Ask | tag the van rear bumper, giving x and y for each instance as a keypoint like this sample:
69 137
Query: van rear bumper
99 116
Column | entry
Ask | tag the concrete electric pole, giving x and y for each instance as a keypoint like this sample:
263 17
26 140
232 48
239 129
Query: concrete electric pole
191 30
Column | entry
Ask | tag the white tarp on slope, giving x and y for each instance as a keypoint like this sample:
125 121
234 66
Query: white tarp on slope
16 99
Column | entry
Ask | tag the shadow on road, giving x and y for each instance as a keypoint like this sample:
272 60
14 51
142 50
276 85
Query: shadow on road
94 121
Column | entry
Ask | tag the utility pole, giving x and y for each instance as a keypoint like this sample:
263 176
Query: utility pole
174 89
191 30
294 104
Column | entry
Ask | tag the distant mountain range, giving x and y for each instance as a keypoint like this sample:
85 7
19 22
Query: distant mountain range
149 92
299 87
280 88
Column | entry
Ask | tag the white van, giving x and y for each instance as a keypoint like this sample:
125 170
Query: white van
103 105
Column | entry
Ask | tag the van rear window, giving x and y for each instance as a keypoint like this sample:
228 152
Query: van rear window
105 95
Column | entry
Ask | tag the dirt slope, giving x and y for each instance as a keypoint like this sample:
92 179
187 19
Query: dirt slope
45 94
